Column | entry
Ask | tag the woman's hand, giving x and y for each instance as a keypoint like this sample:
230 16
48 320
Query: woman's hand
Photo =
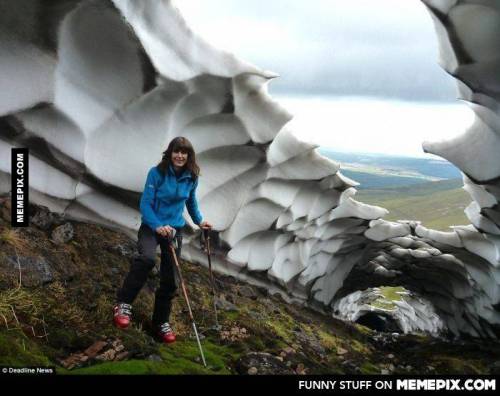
205 225
165 231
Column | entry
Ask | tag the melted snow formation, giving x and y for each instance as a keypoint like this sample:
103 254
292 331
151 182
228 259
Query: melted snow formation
96 89
411 313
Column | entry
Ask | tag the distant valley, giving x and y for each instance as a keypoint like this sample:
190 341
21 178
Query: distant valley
421 189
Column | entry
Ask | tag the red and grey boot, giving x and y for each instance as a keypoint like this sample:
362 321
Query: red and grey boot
122 313
166 334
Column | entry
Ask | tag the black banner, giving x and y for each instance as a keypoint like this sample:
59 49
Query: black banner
20 187
279 384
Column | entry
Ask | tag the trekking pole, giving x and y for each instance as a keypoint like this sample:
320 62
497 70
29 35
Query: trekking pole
183 286
212 280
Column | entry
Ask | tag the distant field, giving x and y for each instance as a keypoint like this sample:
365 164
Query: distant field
368 181
424 189
436 204
394 165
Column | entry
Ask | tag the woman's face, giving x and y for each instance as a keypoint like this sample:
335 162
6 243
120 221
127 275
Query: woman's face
179 158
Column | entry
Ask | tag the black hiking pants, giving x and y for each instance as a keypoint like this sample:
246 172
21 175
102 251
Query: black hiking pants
147 242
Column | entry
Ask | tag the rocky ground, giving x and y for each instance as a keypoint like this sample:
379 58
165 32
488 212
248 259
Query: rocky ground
58 279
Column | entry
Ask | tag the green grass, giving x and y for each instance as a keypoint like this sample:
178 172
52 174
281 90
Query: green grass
18 350
437 205
368 368
389 294
392 293
183 357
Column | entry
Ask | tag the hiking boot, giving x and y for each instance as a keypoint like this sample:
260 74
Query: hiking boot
122 313
166 334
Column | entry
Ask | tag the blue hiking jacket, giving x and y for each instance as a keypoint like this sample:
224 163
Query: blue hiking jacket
163 199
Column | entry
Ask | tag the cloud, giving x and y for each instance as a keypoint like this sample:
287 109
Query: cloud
358 47
372 125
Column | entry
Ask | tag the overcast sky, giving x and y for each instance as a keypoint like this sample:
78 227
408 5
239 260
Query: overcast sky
383 48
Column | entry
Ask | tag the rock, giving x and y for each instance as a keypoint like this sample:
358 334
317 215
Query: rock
263 362
127 250
350 366
256 315
43 218
234 334
308 341
341 351
385 372
122 355
63 234
229 298
247 291
195 278
95 348
106 356
289 351
35 271
300 369
252 371
73 361
263 291
225 305
317 347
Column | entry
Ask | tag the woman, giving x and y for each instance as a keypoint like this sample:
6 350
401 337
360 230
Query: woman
169 186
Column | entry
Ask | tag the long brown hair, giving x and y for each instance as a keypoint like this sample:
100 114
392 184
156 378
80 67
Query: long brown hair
180 143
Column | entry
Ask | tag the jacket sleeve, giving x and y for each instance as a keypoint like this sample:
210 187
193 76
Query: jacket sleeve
192 205
147 201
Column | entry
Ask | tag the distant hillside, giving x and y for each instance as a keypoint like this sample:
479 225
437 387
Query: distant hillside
369 181
375 171
437 205
423 189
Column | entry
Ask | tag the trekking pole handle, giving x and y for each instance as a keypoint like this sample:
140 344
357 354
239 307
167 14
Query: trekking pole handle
172 235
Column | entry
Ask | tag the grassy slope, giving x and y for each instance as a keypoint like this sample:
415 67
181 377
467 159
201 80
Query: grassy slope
75 311
437 205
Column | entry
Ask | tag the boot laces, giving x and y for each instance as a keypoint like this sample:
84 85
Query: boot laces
165 328
124 309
